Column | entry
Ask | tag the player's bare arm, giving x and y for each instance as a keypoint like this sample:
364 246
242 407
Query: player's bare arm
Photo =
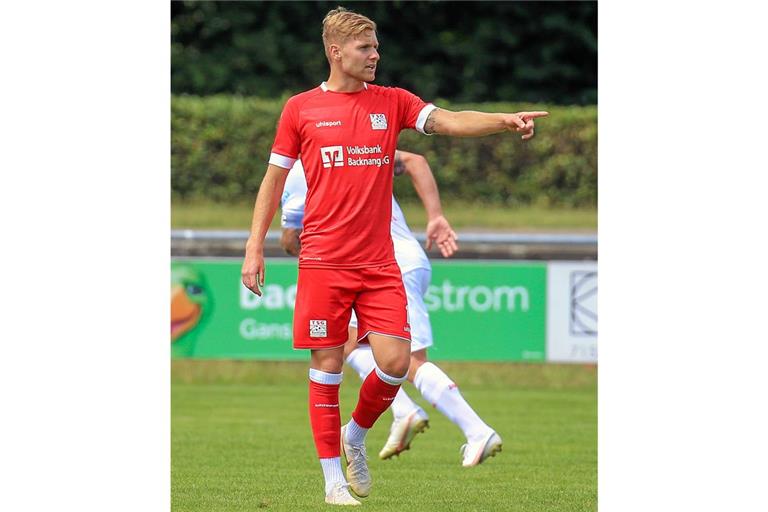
439 230
264 210
290 241
468 123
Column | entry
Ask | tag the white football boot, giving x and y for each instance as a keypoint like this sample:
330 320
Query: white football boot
339 495
473 454
357 465
402 432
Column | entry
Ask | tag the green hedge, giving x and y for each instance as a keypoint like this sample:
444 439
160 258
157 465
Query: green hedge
220 146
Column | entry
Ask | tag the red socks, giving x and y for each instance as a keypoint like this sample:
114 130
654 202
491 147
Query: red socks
376 395
324 412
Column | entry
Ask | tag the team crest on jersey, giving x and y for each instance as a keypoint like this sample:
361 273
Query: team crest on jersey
378 122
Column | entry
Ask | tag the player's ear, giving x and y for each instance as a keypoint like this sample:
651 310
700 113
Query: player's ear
335 51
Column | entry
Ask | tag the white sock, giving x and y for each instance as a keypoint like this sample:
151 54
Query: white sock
361 360
355 433
402 405
332 472
435 386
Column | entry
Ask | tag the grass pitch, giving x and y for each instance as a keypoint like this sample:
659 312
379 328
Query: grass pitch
241 441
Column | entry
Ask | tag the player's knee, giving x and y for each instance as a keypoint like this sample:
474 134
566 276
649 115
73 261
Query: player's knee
402 369
328 366
396 366
330 361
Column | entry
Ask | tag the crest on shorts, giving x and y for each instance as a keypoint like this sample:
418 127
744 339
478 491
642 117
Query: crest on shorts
318 329
378 122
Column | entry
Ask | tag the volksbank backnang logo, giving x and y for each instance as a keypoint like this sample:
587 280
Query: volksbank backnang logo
333 156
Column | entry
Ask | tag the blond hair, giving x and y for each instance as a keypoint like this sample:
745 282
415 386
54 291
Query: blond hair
340 24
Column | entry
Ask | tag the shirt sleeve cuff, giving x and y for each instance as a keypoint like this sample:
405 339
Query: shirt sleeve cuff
281 161
422 119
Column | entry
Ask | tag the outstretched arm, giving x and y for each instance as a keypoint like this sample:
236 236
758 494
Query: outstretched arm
264 210
438 228
469 123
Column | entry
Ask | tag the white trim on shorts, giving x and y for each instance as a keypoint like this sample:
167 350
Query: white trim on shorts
382 334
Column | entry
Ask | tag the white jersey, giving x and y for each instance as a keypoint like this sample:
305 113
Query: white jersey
408 251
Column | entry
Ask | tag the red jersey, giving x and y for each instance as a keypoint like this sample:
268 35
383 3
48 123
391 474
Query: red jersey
347 144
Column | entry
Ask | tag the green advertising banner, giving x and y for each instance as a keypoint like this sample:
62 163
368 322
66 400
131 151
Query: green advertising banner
480 311
487 311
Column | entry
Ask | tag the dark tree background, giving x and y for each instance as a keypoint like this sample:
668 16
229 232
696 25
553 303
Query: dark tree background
543 52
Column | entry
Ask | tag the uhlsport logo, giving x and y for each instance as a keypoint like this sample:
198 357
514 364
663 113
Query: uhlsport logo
327 124
333 156
378 122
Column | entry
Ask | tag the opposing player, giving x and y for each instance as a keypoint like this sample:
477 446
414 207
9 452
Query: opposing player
433 384
345 131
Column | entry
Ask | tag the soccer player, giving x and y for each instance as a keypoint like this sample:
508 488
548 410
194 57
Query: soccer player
433 384
345 131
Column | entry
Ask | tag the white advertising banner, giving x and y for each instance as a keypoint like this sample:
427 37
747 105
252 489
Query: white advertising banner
572 311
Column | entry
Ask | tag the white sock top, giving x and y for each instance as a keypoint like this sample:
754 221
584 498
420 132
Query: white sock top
394 381
324 377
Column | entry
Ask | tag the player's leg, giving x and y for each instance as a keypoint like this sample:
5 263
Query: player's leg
320 323
409 418
443 393
324 379
433 383
382 315
360 358
352 345
381 309
376 395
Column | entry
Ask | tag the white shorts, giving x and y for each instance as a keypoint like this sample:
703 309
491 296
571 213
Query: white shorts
416 282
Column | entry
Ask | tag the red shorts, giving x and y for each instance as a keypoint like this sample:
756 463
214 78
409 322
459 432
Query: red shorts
325 298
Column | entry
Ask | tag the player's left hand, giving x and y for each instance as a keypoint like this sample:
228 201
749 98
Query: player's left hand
439 231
